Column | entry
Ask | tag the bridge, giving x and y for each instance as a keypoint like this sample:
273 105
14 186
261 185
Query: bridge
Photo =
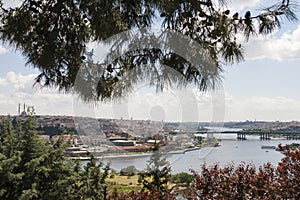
241 135
264 135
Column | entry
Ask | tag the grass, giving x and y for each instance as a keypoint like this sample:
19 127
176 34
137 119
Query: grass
133 180
123 184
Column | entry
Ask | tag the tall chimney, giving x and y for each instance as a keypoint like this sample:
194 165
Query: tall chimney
19 109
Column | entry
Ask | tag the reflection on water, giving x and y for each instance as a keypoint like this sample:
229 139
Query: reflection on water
230 151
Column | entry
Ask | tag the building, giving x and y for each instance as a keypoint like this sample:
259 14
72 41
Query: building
123 143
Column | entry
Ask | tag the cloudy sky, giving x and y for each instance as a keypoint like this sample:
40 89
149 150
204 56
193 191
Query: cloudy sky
263 87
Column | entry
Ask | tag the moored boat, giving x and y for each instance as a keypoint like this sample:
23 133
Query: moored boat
268 147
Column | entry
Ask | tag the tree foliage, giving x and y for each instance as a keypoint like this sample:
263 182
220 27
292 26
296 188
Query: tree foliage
128 171
31 173
247 182
54 37
182 178
91 183
157 174
31 168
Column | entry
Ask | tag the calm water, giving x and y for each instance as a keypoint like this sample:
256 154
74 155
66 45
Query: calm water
230 151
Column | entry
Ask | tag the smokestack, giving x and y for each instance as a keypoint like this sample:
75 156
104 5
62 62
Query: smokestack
19 109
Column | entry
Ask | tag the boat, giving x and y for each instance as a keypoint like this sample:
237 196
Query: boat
268 147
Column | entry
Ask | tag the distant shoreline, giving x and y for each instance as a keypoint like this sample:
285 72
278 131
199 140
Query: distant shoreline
133 155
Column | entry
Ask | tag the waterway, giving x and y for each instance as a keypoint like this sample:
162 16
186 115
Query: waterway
230 151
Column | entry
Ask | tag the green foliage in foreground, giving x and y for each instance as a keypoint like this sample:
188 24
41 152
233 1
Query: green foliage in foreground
31 168
157 174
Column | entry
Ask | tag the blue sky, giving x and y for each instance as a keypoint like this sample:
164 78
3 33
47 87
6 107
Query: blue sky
263 87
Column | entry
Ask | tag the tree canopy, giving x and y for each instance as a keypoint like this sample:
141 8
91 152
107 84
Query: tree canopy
54 36
32 168
157 174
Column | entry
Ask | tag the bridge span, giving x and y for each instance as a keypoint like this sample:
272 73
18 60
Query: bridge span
242 134
264 135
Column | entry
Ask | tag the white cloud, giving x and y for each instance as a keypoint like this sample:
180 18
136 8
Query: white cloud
171 105
3 82
262 108
238 5
2 50
191 105
145 103
21 83
286 47
273 46
12 3
18 88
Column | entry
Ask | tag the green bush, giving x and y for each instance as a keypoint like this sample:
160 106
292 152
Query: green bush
128 171
182 177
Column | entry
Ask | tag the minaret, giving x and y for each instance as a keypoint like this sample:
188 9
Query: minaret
19 109
23 113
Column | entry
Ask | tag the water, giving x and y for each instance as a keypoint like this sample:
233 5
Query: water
230 151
